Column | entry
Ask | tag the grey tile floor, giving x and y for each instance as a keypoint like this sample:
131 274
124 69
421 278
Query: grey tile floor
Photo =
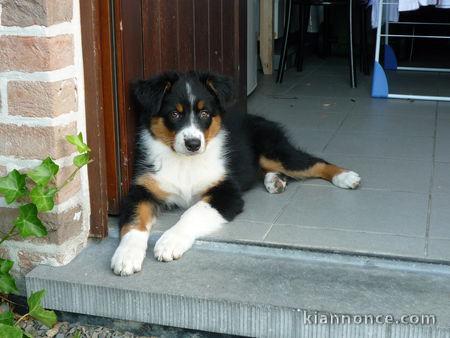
400 148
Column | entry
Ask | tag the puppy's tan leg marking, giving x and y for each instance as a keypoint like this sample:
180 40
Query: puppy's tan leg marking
338 176
130 253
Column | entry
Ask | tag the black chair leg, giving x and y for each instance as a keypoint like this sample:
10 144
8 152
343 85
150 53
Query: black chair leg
283 56
326 45
364 44
367 31
351 45
304 12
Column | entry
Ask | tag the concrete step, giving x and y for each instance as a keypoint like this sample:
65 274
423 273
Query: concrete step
254 291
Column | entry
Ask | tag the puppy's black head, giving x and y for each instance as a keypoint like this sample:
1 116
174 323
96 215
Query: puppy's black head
184 110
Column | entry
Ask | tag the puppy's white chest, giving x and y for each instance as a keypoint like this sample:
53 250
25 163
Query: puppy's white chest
186 178
185 181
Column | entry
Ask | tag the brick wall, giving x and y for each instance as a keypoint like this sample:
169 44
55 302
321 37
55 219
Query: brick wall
41 101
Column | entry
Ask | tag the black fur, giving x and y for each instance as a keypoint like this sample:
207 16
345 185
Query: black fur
249 137
136 195
226 198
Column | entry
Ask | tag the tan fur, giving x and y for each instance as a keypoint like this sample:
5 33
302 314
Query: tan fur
179 107
320 170
152 185
161 132
210 84
142 220
214 128
200 105
206 198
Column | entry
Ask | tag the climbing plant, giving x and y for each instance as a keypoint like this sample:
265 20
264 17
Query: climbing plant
32 192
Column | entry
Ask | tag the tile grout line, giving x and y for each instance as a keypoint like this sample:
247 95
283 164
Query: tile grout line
430 201
361 188
351 231
280 213
337 130
306 77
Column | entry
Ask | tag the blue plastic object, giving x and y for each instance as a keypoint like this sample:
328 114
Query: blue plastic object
390 60
380 86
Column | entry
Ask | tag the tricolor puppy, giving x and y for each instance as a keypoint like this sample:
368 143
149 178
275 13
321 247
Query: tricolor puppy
191 154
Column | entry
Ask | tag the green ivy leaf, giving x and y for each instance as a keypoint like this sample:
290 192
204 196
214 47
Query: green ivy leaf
5 265
28 223
35 309
77 334
7 331
44 172
43 198
7 318
13 186
7 283
81 160
77 141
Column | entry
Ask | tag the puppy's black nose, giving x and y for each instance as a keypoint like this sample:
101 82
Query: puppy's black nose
192 144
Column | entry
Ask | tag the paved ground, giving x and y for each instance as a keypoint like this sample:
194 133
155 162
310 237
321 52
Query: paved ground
400 148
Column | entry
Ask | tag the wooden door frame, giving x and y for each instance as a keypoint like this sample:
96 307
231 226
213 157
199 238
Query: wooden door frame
97 50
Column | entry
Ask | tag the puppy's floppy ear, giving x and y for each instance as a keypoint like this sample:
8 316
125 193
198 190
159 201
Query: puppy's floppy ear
219 85
150 93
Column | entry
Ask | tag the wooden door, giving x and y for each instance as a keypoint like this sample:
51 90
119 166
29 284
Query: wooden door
151 36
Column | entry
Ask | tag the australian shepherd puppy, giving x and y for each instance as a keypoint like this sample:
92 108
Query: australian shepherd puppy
191 154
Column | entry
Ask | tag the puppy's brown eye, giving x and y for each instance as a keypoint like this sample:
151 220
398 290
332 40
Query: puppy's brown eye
204 114
174 115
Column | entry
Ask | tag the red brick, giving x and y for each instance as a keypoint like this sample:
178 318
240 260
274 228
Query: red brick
28 260
32 54
41 99
60 227
36 142
4 253
36 12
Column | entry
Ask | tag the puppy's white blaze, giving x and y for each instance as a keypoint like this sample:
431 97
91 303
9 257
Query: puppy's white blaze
347 180
191 96
190 131
130 253
199 220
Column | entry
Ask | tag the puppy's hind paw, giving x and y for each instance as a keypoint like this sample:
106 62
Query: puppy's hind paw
347 180
274 183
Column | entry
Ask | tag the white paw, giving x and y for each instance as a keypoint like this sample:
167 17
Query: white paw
274 183
172 245
130 254
347 180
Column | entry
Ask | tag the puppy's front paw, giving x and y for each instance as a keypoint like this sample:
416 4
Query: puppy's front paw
172 245
347 180
130 254
127 260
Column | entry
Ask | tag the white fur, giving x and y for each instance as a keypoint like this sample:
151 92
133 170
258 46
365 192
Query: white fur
130 253
190 131
347 180
274 183
189 93
184 177
199 220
